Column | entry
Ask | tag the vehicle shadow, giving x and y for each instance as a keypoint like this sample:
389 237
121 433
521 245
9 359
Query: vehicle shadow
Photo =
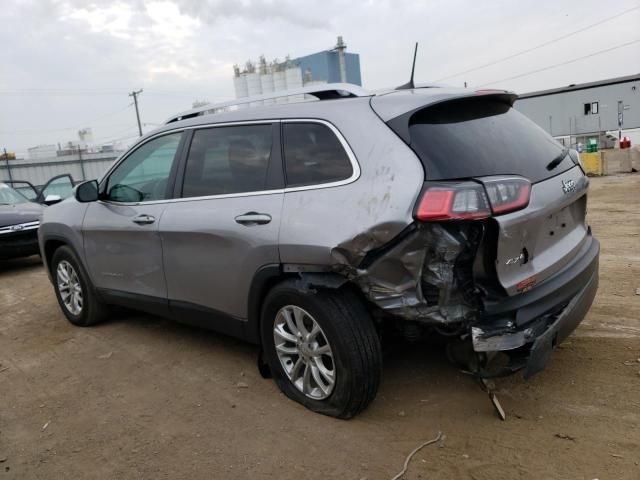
405 363
20 264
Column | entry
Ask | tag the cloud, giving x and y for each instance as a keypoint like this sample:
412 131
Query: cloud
72 63
298 13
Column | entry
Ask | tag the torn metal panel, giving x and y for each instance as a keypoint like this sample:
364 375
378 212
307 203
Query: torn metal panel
422 275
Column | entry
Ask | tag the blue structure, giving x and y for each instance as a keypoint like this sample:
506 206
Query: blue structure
325 66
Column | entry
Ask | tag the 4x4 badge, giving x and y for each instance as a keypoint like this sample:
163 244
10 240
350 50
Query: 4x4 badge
568 186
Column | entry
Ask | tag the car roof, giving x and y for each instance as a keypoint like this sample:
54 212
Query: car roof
387 104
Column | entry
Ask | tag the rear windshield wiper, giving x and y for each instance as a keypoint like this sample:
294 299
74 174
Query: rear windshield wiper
558 160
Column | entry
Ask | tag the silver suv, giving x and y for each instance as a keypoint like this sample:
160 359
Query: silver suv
310 227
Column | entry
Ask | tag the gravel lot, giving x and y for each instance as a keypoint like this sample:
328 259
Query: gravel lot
141 397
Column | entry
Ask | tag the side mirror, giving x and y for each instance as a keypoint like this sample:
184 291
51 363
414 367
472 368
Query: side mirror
52 200
87 191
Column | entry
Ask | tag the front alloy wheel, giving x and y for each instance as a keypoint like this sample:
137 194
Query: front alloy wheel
75 294
304 352
69 287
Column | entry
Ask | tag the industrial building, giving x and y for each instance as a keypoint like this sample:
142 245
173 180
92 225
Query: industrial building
80 158
47 161
605 110
328 66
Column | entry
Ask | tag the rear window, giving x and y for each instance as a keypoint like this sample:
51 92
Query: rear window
313 155
479 136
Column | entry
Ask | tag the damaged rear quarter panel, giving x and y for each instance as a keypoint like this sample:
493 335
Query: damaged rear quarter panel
426 275
362 215
365 230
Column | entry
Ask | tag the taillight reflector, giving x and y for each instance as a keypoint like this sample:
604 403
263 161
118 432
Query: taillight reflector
508 194
464 201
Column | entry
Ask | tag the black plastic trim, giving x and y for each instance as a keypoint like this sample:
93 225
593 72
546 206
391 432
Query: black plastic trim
264 278
561 328
174 187
208 318
135 301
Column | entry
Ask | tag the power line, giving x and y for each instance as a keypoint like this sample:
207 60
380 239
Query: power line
544 44
116 139
115 135
562 63
62 129
54 92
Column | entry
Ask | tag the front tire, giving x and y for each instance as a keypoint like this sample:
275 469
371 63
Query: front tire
322 348
76 296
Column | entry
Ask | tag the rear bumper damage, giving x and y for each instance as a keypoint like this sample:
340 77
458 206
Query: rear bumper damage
425 276
527 327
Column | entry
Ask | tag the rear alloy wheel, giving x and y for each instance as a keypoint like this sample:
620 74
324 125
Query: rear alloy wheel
322 348
75 294
304 352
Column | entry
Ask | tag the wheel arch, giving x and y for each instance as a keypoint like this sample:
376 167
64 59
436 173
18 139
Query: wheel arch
307 278
49 246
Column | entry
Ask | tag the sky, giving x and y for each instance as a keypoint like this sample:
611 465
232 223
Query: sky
70 64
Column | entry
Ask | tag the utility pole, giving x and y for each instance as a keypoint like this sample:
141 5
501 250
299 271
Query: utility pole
84 175
6 157
135 94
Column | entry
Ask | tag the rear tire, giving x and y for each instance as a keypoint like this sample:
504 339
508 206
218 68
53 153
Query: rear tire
75 293
345 378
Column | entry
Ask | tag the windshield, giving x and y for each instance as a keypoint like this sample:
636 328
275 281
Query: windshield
9 196
480 136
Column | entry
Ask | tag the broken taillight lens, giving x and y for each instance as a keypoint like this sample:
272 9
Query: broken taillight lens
455 201
507 194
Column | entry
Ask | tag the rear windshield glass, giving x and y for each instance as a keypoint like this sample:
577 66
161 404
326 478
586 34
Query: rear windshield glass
480 136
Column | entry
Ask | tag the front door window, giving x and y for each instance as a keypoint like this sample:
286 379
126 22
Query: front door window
144 175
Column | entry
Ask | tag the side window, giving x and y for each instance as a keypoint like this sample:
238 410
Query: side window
228 160
313 155
61 186
144 174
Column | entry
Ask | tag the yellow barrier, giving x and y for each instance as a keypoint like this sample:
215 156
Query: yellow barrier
592 163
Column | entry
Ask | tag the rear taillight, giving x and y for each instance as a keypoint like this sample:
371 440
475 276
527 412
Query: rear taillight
471 200
455 201
507 194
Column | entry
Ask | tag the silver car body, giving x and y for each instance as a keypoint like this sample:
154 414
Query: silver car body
196 261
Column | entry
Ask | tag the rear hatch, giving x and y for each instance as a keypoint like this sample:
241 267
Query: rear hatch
481 137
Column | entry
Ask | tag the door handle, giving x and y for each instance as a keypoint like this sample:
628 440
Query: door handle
253 218
144 219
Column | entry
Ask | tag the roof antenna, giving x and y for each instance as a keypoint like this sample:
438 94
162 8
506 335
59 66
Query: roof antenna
410 83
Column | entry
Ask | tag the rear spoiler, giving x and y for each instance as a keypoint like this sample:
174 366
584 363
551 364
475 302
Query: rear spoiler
399 122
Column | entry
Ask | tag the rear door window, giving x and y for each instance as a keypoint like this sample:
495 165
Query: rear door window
479 136
313 155
224 160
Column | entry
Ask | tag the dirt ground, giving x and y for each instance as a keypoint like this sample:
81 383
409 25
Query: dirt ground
141 397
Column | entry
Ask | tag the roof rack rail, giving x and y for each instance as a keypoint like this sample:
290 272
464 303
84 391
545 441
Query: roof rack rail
324 91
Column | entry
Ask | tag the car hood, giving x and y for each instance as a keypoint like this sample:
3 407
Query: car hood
19 213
